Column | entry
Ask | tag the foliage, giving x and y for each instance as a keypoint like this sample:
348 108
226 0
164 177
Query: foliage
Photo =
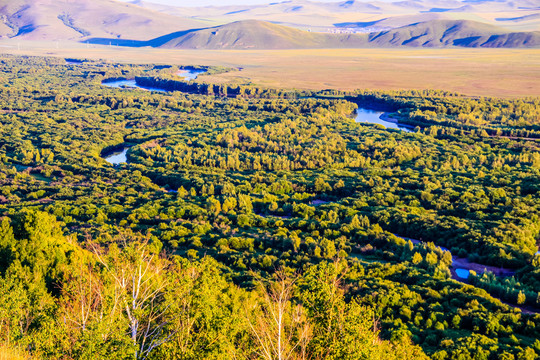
223 188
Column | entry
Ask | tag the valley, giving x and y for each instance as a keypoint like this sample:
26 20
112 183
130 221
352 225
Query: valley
333 179
475 72
240 183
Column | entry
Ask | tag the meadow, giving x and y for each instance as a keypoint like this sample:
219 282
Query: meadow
507 73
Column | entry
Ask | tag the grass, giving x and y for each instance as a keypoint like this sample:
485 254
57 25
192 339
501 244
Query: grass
8 353
476 72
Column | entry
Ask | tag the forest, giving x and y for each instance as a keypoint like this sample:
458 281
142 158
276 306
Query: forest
255 223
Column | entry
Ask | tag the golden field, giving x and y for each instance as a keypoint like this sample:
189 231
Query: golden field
475 72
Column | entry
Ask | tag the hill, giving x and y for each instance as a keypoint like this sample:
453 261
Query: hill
327 16
443 33
254 34
75 20
414 23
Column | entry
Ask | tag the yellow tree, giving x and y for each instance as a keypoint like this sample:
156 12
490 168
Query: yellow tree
278 326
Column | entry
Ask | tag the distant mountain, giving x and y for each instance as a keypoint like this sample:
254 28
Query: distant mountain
444 33
383 15
254 34
73 20
518 19
291 24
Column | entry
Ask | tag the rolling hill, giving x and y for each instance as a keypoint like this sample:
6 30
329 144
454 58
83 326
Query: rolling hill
325 16
253 34
444 33
283 25
74 20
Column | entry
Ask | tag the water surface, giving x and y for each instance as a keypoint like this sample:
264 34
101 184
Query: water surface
117 157
188 75
129 84
374 117
463 273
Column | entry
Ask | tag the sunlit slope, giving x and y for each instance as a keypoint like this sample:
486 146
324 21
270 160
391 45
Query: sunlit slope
365 15
286 25
254 34
263 35
75 20
444 33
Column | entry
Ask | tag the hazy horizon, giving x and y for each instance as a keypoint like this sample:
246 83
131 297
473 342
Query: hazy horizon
200 3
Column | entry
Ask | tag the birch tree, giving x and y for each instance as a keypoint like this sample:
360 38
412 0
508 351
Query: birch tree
140 282
278 326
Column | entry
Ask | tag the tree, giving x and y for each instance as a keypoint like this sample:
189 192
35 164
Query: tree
417 258
213 205
344 330
279 328
209 313
140 280
521 298
527 354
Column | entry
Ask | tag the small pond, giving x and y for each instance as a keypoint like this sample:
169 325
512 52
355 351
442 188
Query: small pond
463 273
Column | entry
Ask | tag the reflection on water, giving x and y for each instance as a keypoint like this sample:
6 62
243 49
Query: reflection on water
117 157
73 61
129 84
374 117
188 75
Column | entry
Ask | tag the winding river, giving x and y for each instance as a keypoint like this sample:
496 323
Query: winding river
187 74
381 118
119 156
129 84
362 114
190 74
116 157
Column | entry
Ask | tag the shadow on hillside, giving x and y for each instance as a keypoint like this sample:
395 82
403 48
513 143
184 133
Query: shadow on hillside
362 24
520 18
157 42
470 41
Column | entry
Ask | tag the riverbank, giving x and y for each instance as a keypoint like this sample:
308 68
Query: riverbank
388 117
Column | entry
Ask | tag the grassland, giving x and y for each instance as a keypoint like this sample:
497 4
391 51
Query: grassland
477 72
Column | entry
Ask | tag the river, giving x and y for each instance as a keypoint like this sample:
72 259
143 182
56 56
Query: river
381 118
128 84
362 114
116 157
188 75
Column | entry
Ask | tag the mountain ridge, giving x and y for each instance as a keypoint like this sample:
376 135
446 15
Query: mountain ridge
255 34
73 20
413 23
